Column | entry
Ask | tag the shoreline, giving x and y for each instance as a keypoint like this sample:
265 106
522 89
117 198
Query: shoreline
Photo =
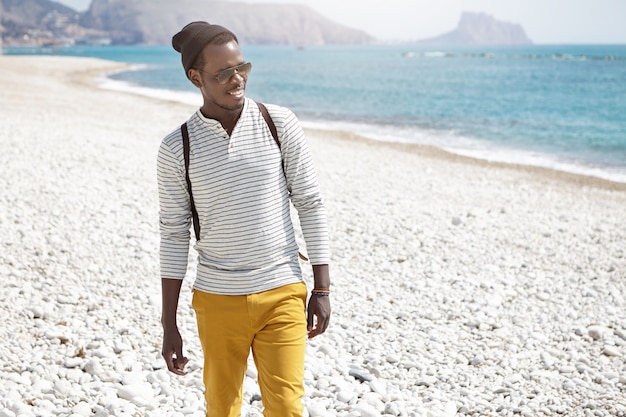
460 287
432 152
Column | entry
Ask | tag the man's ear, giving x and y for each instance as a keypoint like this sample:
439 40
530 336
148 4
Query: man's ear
194 77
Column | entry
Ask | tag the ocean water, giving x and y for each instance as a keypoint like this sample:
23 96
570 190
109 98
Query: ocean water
561 106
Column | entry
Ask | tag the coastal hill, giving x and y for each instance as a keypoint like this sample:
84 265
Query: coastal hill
38 22
481 29
153 22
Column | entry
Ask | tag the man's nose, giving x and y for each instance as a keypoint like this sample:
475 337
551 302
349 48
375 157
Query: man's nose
237 77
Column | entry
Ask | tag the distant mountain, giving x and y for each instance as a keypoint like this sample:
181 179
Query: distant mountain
153 22
39 22
481 29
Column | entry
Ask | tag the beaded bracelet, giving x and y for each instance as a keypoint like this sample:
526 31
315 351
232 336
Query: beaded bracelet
320 291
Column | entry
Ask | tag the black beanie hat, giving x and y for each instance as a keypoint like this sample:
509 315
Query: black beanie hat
193 37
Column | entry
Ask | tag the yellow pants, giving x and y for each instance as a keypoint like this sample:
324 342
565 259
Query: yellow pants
272 324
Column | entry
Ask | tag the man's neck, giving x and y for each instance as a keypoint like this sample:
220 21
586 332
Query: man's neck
228 118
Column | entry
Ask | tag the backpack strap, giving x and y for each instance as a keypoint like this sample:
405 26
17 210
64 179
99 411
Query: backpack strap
269 121
272 126
194 212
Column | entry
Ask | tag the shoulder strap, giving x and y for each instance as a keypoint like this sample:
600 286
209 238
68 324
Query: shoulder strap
269 121
272 126
194 212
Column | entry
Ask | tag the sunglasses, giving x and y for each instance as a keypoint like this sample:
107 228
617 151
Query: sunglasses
241 69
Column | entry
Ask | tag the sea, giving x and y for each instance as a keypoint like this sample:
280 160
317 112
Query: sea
556 106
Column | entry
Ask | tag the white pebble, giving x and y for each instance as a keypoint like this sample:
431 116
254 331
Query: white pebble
82 409
136 391
596 332
427 381
379 386
611 351
316 410
477 360
367 410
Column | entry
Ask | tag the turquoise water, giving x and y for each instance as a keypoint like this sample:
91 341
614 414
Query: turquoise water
557 106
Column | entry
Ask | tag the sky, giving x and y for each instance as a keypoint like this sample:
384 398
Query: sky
545 21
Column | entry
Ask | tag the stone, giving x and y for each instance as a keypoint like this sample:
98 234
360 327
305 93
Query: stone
596 332
136 391
613 351
367 410
82 409
360 375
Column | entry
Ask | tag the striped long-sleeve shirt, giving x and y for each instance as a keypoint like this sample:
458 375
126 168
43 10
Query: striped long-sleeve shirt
241 187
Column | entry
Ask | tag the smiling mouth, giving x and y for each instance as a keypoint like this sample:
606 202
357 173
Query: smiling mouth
237 92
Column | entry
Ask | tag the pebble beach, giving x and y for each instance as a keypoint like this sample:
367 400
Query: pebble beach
460 287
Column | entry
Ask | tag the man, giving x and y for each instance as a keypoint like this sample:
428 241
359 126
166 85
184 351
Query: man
249 292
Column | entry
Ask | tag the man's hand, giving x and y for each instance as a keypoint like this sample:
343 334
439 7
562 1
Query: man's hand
173 351
318 312
318 315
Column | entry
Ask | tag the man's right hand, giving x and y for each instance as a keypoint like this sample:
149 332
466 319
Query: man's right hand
173 351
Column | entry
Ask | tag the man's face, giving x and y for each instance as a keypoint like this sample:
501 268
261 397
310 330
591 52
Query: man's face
229 94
